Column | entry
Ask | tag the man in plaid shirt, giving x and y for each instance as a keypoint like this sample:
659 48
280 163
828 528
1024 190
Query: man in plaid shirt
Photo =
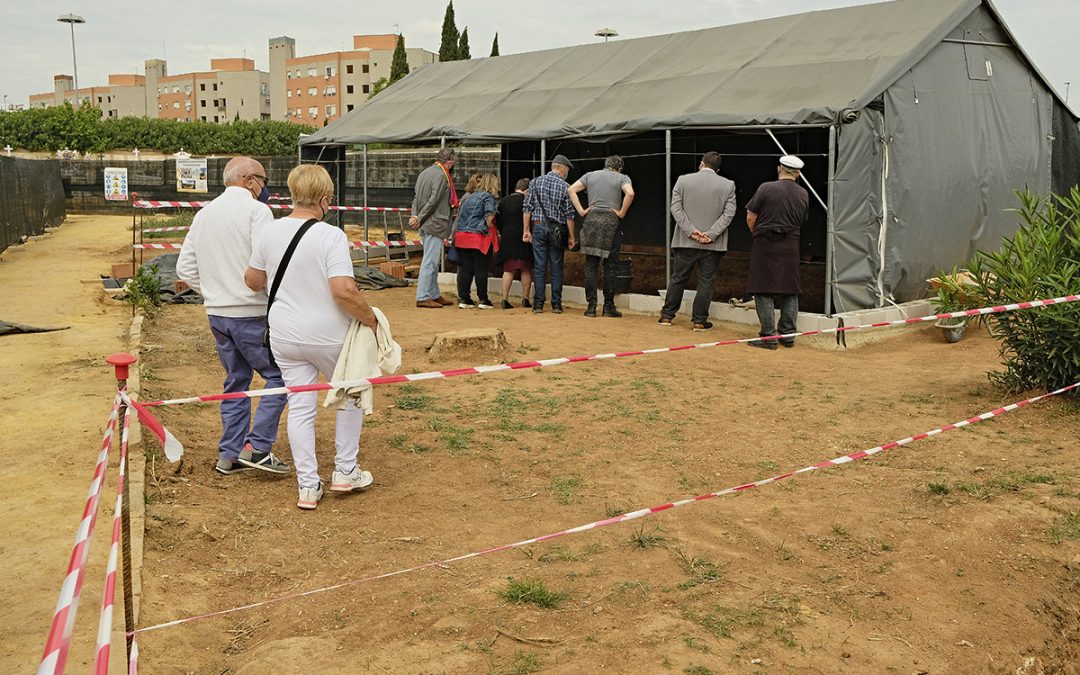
548 208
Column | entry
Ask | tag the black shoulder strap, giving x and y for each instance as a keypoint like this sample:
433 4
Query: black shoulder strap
285 261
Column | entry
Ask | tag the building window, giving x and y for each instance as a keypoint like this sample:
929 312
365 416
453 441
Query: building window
348 69
299 93
330 91
215 119
312 112
204 118
288 94
99 100
348 89
187 88
312 72
176 105
187 106
264 89
176 89
202 103
331 110
312 91
288 74
364 68
331 71
202 87
215 86
349 107
366 89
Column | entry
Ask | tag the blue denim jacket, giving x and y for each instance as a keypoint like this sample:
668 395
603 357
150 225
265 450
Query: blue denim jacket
474 211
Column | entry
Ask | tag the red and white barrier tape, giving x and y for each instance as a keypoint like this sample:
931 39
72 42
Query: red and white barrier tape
525 365
166 229
108 596
827 464
151 205
352 244
56 645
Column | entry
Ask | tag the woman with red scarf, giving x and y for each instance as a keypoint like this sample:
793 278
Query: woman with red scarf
476 238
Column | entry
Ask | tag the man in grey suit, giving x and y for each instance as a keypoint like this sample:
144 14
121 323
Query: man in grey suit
703 205
432 205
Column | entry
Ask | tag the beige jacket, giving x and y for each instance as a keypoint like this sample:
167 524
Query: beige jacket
364 354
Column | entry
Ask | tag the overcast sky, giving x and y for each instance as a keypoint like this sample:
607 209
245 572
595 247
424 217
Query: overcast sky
119 36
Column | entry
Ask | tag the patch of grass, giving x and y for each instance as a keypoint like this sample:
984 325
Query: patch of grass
1067 528
722 621
456 439
523 663
1011 482
532 592
412 398
397 441
565 487
698 670
840 531
941 488
643 539
699 570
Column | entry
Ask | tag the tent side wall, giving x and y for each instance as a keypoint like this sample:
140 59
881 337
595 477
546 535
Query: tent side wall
968 126
1065 164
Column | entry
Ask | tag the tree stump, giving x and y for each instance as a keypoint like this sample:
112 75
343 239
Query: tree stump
480 342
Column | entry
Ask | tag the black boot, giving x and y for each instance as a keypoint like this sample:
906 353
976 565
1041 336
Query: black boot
591 310
610 311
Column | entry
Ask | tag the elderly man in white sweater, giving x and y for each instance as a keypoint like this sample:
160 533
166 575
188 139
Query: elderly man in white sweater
212 261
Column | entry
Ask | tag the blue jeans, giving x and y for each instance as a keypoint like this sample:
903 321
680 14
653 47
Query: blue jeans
543 253
427 280
240 348
789 314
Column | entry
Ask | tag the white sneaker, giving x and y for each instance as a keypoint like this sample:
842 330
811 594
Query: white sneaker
309 497
354 480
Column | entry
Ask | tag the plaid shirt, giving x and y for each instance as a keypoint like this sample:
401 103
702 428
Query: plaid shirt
548 194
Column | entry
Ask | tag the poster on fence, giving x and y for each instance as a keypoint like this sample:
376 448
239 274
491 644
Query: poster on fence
191 175
116 184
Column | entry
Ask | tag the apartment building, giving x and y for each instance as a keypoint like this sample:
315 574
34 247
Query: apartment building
231 89
319 88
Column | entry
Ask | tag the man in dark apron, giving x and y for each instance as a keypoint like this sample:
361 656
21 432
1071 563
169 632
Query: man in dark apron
775 216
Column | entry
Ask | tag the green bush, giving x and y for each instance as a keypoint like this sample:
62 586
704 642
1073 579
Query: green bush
85 130
1040 347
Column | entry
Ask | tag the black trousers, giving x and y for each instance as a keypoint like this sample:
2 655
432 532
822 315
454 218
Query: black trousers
682 263
474 266
592 267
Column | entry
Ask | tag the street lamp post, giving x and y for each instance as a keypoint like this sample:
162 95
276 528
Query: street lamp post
71 20
606 33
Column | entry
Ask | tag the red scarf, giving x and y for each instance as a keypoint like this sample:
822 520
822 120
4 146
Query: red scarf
454 203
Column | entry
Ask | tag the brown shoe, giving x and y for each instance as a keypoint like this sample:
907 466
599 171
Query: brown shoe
429 304
443 301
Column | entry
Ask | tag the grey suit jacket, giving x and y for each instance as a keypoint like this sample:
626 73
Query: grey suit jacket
431 203
703 201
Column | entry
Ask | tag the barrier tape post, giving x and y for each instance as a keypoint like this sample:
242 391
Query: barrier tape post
54 659
120 362
108 596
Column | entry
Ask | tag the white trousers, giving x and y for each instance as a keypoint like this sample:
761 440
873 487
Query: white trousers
300 365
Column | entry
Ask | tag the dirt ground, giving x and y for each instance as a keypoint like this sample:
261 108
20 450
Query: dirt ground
954 554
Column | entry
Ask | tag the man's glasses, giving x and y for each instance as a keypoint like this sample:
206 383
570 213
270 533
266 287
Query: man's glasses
264 179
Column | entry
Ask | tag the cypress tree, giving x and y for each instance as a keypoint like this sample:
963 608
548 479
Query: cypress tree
495 45
463 46
448 48
399 66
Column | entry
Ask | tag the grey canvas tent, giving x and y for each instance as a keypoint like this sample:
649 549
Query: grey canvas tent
917 118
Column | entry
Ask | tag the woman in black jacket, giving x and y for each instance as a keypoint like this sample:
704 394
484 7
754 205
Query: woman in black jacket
514 253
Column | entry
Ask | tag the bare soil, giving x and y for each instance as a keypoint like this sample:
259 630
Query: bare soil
955 554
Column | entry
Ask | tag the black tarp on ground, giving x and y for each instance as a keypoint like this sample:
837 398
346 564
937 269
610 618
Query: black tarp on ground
10 328
31 198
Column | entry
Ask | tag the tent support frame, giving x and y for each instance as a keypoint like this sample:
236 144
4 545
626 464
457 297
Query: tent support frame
667 207
366 237
830 225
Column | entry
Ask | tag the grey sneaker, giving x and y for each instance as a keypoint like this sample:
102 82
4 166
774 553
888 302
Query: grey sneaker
354 480
228 468
263 461
309 497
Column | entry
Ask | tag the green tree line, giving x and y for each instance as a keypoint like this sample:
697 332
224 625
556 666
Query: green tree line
84 129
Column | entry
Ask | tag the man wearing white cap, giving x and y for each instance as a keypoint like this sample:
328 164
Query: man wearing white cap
775 216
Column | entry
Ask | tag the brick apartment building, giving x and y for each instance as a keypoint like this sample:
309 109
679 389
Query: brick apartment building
320 88
231 89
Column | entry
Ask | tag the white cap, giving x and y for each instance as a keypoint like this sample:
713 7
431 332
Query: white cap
791 162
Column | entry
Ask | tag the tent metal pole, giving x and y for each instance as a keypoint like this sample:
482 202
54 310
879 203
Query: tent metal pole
366 237
667 208
442 142
543 153
830 225
801 175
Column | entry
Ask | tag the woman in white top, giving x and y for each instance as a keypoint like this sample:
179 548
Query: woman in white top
316 301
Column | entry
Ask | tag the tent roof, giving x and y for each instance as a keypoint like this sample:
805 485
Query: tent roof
800 69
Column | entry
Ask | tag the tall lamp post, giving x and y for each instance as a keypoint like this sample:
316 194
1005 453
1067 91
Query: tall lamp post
606 33
71 20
